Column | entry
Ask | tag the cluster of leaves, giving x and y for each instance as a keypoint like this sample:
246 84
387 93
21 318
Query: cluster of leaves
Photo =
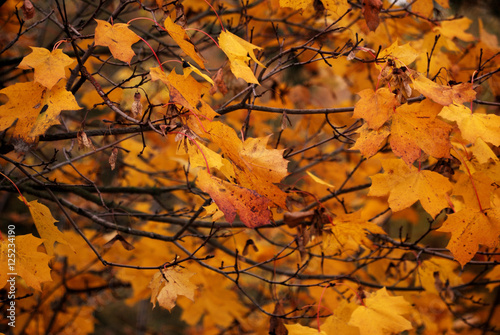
282 167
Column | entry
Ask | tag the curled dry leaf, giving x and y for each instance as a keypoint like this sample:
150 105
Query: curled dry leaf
168 284
84 141
28 10
180 18
122 240
112 158
219 83
136 109
293 219
371 9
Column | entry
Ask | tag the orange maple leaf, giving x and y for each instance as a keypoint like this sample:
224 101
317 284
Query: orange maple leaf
443 95
118 38
405 185
233 199
375 107
49 66
468 229
415 128
35 108
256 167
369 141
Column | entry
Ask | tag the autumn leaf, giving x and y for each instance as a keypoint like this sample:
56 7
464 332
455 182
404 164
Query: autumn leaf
348 232
443 95
334 324
180 37
256 167
371 10
369 141
168 284
403 55
49 66
405 185
382 314
475 189
336 6
44 222
237 50
30 264
35 108
483 152
469 229
474 125
118 38
434 273
298 329
415 128
233 200
319 180
185 91
213 211
375 107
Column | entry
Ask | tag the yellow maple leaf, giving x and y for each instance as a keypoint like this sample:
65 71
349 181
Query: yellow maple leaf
375 107
44 222
405 185
474 125
237 50
403 55
298 329
468 229
118 38
49 66
382 314
335 6
30 264
483 152
435 272
180 37
168 284
35 108
415 128
214 211
348 232
215 301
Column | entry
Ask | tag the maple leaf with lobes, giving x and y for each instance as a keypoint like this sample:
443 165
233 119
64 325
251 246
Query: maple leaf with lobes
49 66
118 38
406 185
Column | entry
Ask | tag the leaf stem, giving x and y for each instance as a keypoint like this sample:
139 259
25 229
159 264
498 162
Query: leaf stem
20 194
